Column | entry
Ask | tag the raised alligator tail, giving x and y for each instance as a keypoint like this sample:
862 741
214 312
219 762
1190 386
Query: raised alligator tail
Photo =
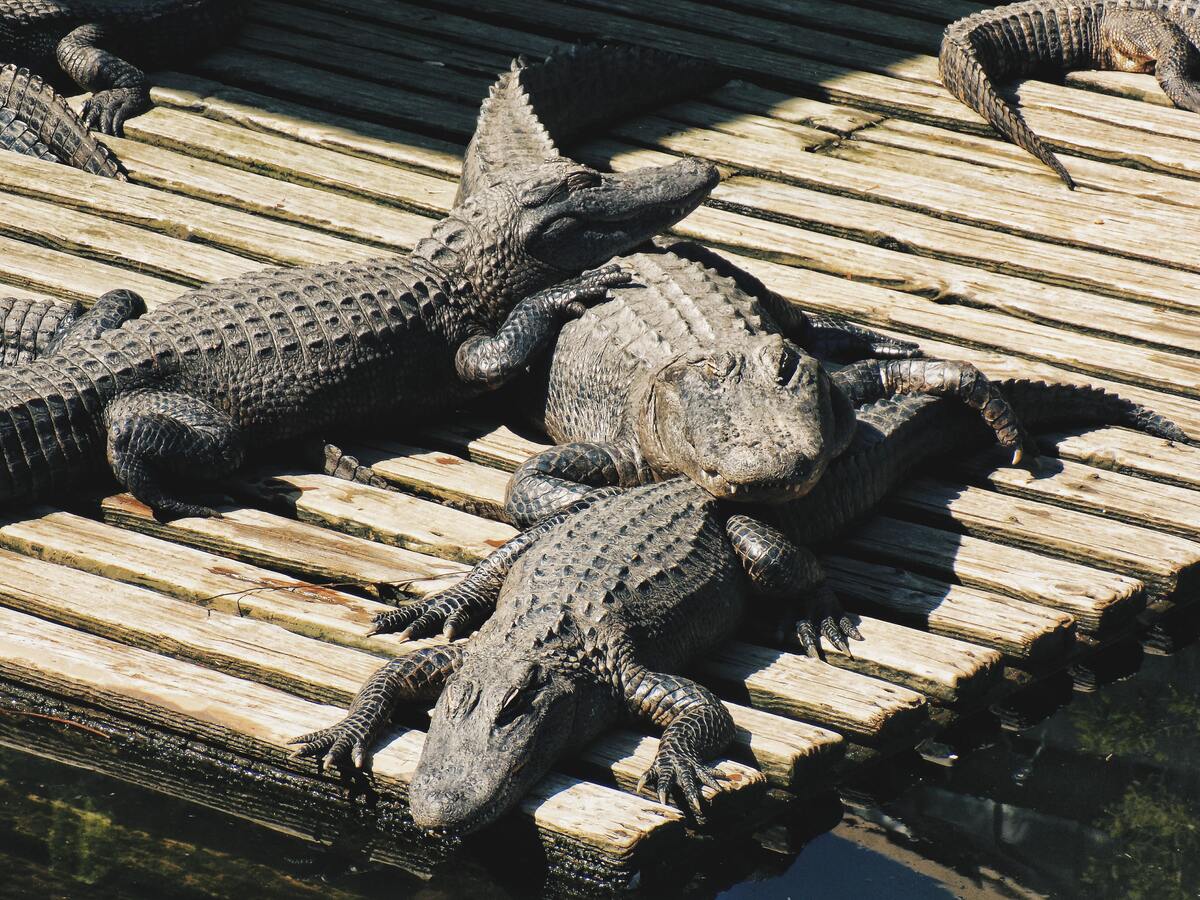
965 76
1042 405
535 107
36 120
51 427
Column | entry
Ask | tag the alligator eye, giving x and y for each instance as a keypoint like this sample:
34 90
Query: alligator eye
510 707
583 178
721 365
788 364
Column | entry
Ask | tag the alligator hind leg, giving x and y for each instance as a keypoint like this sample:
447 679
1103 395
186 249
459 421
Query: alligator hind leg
110 310
419 675
154 434
28 327
120 88
780 569
696 727
871 380
1145 41
555 478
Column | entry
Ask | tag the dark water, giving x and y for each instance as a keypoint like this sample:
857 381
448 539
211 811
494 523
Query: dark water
1101 800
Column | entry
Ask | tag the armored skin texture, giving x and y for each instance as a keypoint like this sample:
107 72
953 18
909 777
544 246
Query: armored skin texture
595 610
184 389
36 121
1047 37
92 41
696 369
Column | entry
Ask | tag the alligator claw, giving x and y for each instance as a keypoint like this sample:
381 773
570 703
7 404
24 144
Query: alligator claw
335 747
574 296
825 618
106 111
679 772
446 612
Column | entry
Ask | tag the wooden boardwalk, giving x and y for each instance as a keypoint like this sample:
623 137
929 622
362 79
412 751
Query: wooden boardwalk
183 656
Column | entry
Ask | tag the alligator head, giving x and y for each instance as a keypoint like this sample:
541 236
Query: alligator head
500 725
752 425
525 229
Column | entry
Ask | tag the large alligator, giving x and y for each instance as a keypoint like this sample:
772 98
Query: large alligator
36 121
89 40
1039 37
595 611
185 389
694 371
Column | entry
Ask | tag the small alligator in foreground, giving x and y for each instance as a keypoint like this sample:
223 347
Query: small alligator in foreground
595 611
184 390
36 121
1041 37
694 371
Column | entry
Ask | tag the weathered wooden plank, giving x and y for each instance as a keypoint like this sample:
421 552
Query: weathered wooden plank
1020 630
441 476
1114 495
1163 561
378 515
171 214
30 268
752 98
482 441
209 580
305 124
1121 450
81 234
274 198
790 753
318 554
1090 175
943 669
254 718
901 266
799 687
880 27
254 151
1096 599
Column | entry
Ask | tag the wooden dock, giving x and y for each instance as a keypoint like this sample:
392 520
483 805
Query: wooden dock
183 656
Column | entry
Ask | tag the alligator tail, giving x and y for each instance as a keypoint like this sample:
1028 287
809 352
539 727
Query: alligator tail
36 121
964 75
534 107
28 326
895 436
51 427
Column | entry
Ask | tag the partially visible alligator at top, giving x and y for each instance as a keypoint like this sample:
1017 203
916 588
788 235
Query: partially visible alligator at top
1047 37
693 371
36 121
89 40
591 615
185 389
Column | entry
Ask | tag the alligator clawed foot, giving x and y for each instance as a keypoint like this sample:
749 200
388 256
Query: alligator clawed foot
577 294
424 618
107 111
825 618
679 772
340 746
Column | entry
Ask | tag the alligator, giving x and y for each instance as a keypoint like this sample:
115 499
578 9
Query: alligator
592 614
1040 37
36 121
186 388
699 370
88 40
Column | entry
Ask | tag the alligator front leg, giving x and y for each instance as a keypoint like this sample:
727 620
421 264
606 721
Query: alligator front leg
871 380
153 434
490 361
419 675
120 89
696 727
555 478
1144 41
111 310
779 568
